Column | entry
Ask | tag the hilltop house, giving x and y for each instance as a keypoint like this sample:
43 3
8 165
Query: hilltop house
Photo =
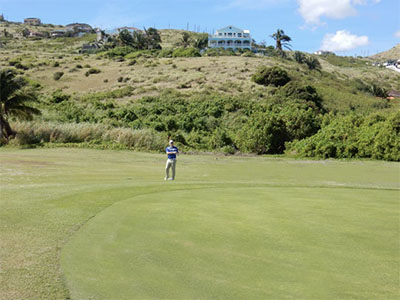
230 37
32 21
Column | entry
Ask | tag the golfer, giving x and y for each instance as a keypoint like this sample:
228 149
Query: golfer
171 151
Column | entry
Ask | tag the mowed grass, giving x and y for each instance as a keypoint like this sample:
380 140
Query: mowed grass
91 224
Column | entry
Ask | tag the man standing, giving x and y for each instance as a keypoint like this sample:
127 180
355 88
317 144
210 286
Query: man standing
171 151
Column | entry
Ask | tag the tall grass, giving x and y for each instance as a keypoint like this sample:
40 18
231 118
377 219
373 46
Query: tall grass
36 133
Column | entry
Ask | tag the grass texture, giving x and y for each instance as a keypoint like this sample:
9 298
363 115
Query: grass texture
91 224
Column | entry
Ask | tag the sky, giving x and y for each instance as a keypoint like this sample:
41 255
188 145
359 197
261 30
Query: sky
346 27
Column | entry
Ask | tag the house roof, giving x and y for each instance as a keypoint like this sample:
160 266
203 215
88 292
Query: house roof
232 28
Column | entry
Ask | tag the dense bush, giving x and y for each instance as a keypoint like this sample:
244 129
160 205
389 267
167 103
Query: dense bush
58 96
118 52
298 90
354 136
204 122
271 76
186 52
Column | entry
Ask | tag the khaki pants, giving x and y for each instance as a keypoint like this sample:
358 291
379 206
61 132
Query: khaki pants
170 163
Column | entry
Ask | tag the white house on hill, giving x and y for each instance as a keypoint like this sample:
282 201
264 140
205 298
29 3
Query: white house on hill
230 37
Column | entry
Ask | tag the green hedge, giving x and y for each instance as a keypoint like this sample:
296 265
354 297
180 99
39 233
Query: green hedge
354 136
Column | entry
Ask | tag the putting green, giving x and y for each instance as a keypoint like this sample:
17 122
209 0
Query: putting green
239 243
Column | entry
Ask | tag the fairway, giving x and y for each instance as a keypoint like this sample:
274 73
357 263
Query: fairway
89 224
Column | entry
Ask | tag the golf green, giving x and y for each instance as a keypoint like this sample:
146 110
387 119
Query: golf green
239 243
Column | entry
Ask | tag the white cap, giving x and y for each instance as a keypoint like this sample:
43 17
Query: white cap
171 141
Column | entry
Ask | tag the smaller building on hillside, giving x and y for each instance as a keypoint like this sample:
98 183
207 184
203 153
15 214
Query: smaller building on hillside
79 27
36 34
58 33
323 52
230 37
130 29
32 21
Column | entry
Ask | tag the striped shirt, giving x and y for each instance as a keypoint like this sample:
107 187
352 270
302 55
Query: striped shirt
171 149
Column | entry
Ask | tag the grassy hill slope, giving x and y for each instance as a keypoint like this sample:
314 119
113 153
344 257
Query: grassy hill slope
391 54
205 102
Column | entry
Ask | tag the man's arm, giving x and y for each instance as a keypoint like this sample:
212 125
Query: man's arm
175 151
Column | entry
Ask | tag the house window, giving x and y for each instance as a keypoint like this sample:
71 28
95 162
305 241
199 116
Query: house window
220 33
229 33
239 35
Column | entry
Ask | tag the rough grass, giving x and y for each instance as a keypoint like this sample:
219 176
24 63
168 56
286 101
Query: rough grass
346 214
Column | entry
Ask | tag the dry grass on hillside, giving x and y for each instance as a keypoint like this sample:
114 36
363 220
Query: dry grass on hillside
391 54
150 76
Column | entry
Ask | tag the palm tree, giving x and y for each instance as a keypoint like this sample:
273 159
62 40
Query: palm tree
140 41
13 99
281 40
153 38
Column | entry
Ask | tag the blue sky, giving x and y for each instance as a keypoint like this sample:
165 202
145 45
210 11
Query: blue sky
346 27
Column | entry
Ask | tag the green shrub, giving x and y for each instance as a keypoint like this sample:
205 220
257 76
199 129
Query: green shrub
377 91
308 93
18 64
92 71
132 62
58 75
165 53
271 76
312 63
262 133
186 52
58 96
299 57
354 136
248 54
118 52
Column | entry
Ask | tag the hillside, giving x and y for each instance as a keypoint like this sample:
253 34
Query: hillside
207 103
391 54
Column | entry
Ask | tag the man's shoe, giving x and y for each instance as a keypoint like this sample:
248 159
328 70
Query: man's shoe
170 179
